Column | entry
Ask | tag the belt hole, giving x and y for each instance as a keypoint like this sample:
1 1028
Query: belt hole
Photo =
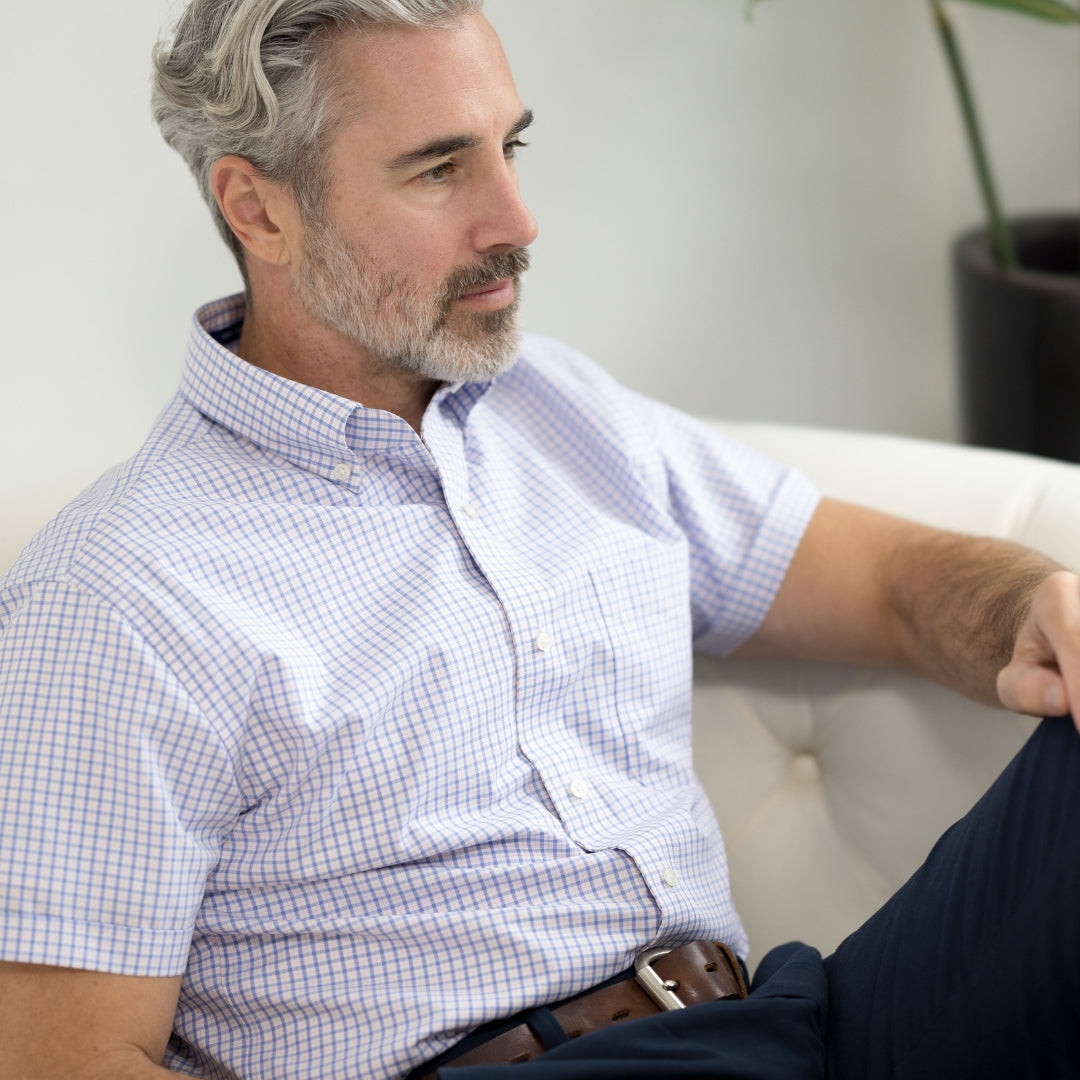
520 1059
711 967
622 1014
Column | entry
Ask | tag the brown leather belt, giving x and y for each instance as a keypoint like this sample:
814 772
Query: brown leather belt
687 975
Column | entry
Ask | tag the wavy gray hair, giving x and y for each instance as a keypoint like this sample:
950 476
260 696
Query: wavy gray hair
252 78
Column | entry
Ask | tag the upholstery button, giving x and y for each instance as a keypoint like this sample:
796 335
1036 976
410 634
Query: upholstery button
805 769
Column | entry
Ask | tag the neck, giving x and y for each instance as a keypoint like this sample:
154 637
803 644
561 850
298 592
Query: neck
286 342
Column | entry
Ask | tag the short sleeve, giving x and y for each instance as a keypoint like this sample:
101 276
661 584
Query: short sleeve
743 514
114 792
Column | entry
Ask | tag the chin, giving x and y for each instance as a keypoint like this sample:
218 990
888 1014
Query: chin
454 358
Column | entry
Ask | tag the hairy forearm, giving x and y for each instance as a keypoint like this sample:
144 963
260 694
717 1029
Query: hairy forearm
959 603
992 619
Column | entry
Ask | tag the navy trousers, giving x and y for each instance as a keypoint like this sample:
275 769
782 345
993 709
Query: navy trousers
972 970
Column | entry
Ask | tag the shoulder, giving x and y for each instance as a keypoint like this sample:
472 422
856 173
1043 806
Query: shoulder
552 360
112 511
554 383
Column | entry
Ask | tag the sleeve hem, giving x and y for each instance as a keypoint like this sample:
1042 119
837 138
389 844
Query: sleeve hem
775 545
71 943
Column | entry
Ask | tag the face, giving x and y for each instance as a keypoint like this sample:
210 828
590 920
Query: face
417 256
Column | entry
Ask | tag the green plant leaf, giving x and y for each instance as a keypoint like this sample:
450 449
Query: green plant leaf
1053 10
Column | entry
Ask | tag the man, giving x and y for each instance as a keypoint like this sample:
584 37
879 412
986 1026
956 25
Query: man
351 716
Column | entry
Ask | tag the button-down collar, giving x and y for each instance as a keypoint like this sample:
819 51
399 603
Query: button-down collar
314 429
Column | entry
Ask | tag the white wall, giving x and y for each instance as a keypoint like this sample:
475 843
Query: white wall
748 220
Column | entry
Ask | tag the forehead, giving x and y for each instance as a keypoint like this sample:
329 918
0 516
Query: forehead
404 84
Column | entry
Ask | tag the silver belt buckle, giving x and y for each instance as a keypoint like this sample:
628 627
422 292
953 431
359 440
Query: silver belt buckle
662 991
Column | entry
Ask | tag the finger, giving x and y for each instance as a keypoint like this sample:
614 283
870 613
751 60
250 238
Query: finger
1056 614
1032 689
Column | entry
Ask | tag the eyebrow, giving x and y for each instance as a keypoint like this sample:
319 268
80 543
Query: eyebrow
453 144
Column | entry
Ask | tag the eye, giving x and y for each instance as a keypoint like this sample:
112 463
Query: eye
438 174
510 149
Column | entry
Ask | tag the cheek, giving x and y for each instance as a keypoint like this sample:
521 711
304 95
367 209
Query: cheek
422 255
416 243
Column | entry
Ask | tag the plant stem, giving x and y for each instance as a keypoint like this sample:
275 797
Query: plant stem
999 230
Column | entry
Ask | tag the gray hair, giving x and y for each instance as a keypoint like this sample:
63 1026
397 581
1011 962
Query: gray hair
249 77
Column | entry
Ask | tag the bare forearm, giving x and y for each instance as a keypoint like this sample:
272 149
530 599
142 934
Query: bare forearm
83 1025
42 1062
868 588
127 1066
960 602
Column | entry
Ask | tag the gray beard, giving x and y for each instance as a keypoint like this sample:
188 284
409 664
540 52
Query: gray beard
392 319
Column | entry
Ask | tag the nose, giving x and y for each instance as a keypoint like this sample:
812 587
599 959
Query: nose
503 221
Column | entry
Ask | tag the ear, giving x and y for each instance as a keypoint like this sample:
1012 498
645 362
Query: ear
259 211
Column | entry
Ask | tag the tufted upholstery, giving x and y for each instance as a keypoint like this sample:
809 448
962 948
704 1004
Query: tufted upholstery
831 783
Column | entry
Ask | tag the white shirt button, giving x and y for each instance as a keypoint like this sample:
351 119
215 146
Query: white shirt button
342 471
669 877
469 511
578 788
544 641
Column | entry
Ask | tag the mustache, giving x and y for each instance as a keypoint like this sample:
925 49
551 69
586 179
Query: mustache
493 268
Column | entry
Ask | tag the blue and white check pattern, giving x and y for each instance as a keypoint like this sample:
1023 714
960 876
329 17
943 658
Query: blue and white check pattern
376 738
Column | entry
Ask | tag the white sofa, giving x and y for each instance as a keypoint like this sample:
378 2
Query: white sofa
831 783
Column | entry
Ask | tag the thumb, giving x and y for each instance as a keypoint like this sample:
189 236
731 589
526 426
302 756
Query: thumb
1032 688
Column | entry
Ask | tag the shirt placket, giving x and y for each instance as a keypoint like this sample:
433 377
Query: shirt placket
538 636
533 630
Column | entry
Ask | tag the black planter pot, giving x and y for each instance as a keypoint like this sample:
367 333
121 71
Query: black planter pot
1019 339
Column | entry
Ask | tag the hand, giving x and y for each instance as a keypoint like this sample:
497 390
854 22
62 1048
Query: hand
1043 676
